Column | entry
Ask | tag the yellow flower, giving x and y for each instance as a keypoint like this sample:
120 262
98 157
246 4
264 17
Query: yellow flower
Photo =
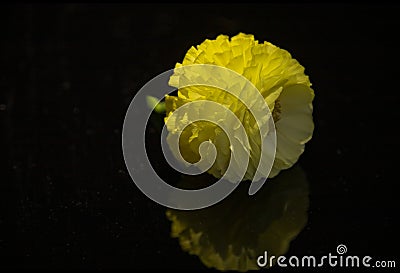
282 83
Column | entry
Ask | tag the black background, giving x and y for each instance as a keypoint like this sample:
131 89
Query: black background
69 71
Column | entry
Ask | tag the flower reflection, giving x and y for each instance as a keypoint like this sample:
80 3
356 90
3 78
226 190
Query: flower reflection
233 233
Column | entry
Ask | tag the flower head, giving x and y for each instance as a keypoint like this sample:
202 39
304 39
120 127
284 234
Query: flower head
281 81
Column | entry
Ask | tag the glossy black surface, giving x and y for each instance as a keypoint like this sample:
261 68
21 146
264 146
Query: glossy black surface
69 71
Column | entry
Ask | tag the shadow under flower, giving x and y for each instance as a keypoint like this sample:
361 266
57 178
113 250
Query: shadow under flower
233 233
